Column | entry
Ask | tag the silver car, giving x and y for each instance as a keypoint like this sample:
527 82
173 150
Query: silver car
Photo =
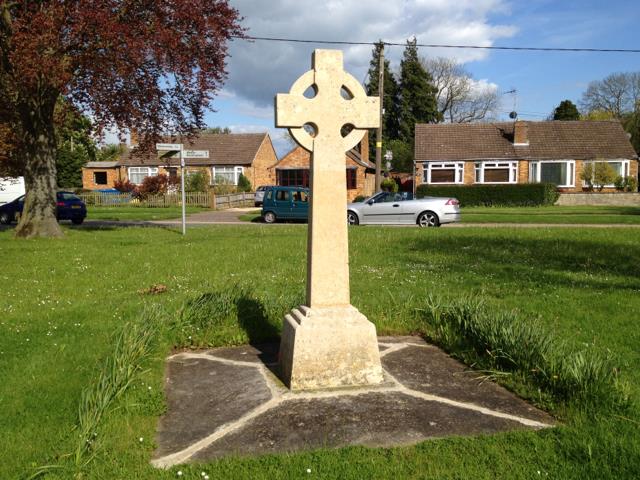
387 208
259 195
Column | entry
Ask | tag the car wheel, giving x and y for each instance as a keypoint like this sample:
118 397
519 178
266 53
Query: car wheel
77 220
270 217
428 219
352 218
5 218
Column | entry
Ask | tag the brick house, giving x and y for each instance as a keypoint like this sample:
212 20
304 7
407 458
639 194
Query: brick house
229 155
520 152
293 170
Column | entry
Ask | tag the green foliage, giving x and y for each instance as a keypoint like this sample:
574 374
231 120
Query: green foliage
417 94
619 183
525 195
197 181
567 110
244 185
586 175
503 341
603 174
631 184
631 123
110 153
359 199
70 159
402 155
389 185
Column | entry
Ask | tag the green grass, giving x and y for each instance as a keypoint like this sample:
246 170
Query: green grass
553 214
137 213
64 300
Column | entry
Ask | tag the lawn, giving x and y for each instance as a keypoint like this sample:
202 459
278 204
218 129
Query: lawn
553 214
137 213
64 299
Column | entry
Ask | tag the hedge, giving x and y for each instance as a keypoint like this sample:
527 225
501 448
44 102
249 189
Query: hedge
521 195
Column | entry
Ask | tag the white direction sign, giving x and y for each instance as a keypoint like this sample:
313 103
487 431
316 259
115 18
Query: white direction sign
195 154
168 146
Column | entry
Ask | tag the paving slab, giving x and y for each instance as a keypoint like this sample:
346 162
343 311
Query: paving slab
228 401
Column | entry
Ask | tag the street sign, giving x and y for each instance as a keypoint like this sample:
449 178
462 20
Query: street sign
196 154
168 146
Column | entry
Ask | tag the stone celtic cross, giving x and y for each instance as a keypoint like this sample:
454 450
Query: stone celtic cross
328 343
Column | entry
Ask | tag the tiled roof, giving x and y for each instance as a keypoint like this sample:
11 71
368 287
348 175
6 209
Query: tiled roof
224 149
581 140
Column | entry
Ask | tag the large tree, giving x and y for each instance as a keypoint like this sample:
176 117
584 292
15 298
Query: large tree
150 65
460 98
418 102
567 110
75 145
619 93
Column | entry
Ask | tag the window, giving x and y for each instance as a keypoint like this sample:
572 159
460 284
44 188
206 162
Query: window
100 178
352 182
298 177
282 196
226 175
301 197
443 172
496 172
562 172
621 167
138 174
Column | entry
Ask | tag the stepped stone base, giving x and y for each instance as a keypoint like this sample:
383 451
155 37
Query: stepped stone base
329 347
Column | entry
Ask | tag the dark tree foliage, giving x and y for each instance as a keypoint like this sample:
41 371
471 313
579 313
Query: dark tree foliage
75 145
567 110
391 102
150 66
418 102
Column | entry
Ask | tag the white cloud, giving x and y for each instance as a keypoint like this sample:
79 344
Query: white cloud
258 70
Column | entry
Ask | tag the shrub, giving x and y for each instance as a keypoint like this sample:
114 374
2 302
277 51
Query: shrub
587 175
359 199
124 186
389 185
154 185
244 185
521 195
620 183
631 184
603 174
196 182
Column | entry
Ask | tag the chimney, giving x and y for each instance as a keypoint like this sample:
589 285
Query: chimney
521 133
133 134
364 146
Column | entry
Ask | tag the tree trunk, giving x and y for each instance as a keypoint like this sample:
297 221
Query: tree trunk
38 217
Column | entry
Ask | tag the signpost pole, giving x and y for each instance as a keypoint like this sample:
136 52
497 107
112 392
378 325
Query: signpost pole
184 200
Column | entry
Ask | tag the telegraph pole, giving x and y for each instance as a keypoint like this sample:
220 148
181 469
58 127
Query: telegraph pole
379 132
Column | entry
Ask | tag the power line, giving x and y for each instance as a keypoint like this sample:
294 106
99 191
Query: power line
434 45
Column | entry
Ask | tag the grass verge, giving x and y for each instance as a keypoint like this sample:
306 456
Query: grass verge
117 214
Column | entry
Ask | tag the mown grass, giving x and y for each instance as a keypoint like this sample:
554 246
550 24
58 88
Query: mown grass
137 213
63 300
553 214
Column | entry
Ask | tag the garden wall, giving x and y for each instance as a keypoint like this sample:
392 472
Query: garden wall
599 199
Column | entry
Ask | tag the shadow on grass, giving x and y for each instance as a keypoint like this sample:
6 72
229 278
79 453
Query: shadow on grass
263 336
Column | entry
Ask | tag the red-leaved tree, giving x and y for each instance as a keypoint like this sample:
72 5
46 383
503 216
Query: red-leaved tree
149 65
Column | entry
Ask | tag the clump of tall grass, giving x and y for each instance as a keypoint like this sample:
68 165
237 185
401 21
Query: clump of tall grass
132 346
502 341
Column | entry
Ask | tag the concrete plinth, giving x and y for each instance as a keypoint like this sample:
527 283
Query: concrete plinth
329 347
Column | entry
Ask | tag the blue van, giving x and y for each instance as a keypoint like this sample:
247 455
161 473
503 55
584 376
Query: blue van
285 203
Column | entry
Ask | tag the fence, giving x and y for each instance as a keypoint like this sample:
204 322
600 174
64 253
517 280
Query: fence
193 199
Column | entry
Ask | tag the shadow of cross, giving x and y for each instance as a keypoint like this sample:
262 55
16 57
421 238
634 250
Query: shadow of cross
339 101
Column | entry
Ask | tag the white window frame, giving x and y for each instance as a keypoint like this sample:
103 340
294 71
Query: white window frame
571 165
237 171
428 167
480 168
626 168
147 171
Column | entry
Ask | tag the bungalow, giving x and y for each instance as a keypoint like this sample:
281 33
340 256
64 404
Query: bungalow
228 156
520 152
293 170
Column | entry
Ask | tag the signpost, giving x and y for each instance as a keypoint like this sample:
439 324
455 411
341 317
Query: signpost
172 147
196 153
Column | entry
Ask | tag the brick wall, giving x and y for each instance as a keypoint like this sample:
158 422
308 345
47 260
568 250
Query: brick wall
260 172
113 174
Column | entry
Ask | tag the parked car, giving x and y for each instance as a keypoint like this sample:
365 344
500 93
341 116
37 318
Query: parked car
259 196
68 207
386 208
285 203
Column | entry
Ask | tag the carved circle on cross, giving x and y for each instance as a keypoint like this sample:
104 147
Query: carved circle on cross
350 86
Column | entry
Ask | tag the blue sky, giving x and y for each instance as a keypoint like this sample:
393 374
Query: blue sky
257 71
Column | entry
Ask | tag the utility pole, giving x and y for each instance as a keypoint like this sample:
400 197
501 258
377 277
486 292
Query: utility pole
379 132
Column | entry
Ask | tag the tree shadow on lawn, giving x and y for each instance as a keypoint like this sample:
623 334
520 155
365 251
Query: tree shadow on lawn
539 260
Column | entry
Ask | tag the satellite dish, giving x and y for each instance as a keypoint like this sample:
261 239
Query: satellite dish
513 115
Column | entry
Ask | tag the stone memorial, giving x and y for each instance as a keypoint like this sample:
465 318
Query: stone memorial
328 343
